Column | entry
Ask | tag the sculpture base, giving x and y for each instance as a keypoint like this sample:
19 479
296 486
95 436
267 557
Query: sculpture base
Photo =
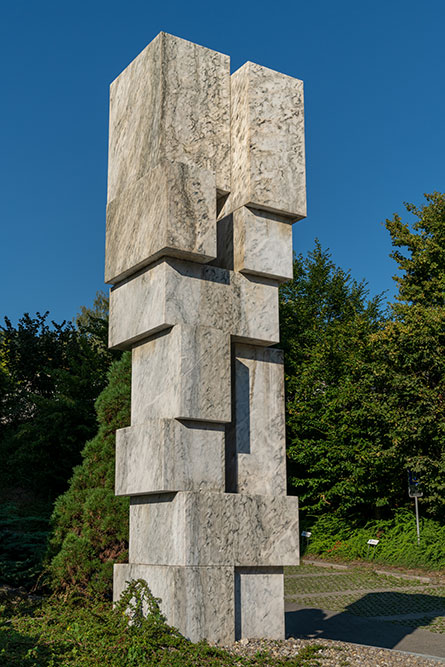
221 604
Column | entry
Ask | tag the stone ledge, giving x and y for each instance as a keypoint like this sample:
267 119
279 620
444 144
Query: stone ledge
177 292
214 529
165 455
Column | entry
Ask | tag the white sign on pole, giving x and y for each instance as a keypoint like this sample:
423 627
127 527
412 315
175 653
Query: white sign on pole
305 533
373 543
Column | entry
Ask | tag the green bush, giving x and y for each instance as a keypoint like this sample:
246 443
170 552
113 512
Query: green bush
51 375
90 525
333 537
81 633
23 539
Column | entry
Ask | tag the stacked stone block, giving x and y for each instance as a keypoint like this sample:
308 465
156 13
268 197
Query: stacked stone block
206 176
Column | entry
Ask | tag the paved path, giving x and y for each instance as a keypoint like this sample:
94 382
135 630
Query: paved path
368 608
355 591
308 623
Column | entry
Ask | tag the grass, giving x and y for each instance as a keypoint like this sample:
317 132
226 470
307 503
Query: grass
425 623
51 632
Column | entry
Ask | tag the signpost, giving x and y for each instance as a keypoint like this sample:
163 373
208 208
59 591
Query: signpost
371 543
415 492
306 534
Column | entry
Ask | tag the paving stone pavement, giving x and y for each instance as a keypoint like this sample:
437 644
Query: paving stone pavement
355 591
360 605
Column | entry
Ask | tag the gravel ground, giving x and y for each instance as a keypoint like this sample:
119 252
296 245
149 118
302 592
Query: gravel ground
331 653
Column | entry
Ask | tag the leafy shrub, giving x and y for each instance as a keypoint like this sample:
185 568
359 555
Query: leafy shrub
333 537
82 633
51 375
23 540
90 525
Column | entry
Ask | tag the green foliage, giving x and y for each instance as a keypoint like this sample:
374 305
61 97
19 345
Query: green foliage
90 525
410 350
23 539
51 376
82 633
365 394
89 315
408 359
326 323
92 323
422 264
334 538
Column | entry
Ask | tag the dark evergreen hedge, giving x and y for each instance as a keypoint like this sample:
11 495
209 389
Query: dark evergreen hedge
90 525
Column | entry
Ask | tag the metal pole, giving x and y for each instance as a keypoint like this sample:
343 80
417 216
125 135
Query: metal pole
416 500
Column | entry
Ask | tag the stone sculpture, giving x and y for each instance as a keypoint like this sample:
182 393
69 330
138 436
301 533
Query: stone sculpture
206 175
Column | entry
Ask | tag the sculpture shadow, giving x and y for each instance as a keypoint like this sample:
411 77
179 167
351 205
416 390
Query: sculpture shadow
380 619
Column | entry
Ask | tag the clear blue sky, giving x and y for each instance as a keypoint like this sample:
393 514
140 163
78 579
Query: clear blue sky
375 124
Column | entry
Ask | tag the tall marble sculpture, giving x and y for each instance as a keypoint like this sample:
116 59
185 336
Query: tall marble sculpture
206 175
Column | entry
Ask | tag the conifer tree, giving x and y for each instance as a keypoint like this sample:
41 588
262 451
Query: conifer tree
90 525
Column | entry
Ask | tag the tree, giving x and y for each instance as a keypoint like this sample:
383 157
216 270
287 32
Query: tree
422 266
409 366
90 525
51 375
326 323
92 325
365 394
410 350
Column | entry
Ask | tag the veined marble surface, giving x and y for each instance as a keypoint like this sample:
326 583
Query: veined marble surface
259 603
199 601
165 455
175 292
267 142
169 211
204 167
262 243
255 440
256 243
183 373
172 102
214 529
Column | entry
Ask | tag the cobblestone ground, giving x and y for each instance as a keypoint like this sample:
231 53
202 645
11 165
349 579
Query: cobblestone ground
403 599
